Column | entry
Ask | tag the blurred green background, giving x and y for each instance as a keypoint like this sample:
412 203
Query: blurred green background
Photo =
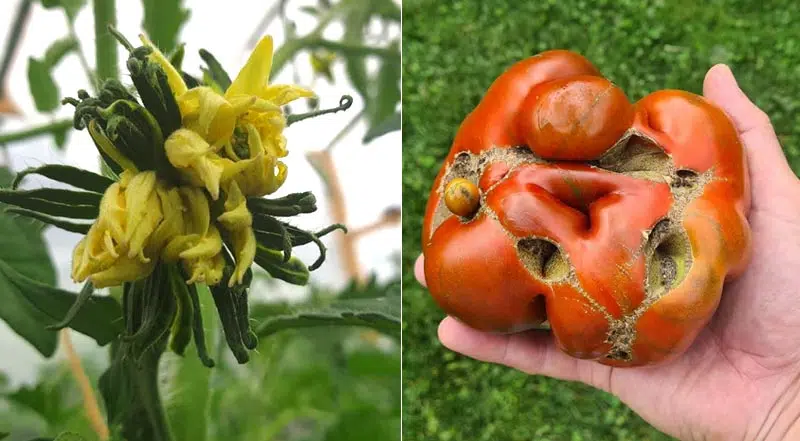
452 51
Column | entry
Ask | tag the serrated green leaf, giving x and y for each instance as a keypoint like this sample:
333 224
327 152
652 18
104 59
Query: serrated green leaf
30 306
390 124
58 49
163 20
43 88
69 175
381 314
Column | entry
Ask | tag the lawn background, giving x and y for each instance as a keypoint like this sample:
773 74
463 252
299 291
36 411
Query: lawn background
452 51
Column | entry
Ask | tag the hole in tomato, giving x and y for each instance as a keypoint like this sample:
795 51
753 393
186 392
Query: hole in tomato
669 258
543 259
637 156
685 178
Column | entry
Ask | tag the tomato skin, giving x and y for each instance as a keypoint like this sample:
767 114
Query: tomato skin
617 222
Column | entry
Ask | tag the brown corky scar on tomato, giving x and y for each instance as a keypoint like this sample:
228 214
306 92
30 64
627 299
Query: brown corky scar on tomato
611 242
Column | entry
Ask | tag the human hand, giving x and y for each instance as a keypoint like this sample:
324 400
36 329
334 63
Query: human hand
741 377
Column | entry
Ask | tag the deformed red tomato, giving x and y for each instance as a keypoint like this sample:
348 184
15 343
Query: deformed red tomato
617 223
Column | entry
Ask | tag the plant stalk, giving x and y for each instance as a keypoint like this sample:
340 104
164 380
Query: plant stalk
7 138
90 404
105 14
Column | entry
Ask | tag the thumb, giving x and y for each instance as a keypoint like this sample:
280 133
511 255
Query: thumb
769 169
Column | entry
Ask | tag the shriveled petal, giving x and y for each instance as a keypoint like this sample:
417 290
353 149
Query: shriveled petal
197 217
255 73
206 270
236 215
193 156
208 113
244 248
112 212
282 94
125 269
143 211
176 245
264 175
91 255
174 77
207 246
172 223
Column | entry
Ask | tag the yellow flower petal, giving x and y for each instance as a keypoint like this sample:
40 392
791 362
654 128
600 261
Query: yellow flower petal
174 77
112 212
282 94
208 113
207 246
207 270
255 73
244 248
172 224
143 211
193 156
197 216
125 269
236 215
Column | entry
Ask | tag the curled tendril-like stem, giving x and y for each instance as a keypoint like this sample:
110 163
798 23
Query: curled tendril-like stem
344 103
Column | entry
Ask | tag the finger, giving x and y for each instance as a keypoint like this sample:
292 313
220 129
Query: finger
532 352
764 154
419 270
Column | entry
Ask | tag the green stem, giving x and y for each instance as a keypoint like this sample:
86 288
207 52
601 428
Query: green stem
344 103
7 138
105 14
81 55
147 388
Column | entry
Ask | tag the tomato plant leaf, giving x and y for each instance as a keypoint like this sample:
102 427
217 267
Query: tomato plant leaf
389 124
58 49
163 20
43 88
71 7
29 307
381 314
215 70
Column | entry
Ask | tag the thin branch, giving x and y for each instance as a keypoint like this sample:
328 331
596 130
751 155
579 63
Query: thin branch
81 55
345 130
7 138
380 224
90 403
19 22
264 24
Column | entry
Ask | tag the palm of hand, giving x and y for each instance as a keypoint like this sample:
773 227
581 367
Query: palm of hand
741 377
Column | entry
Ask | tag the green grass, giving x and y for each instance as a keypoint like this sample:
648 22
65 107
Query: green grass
452 51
